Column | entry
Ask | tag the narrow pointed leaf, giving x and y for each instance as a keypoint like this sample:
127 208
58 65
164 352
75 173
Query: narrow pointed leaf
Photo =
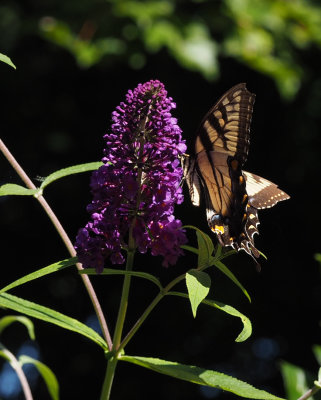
294 379
7 60
9 319
205 246
46 373
75 169
201 376
41 272
247 326
198 285
223 268
47 314
190 248
317 352
6 354
205 250
11 189
110 271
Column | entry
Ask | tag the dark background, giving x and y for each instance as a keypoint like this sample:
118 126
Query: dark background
55 109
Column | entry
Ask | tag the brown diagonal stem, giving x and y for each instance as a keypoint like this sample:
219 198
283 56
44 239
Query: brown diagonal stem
62 233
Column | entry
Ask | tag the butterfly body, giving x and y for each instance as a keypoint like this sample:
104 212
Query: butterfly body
215 170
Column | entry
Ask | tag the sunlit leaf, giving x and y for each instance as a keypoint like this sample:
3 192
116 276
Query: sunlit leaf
205 246
11 189
201 376
7 60
46 373
317 352
110 271
75 169
247 326
223 268
9 319
190 248
198 285
294 379
6 354
47 314
41 272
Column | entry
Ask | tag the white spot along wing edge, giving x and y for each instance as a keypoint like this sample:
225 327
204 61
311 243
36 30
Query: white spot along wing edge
263 193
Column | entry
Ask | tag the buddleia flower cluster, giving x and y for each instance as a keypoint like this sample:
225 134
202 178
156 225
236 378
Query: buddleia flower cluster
136 188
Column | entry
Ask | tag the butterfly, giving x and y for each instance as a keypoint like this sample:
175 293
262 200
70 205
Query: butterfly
232 196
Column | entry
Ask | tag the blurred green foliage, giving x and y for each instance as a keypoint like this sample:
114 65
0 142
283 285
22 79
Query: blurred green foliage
297 381
268 35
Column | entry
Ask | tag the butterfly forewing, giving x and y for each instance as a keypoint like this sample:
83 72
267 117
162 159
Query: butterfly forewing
226 127
216 178
192 179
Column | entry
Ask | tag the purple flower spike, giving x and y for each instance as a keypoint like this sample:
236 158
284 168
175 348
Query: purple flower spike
138 185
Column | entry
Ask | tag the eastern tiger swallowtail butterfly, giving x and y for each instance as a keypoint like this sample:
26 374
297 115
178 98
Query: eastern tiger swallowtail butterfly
232 196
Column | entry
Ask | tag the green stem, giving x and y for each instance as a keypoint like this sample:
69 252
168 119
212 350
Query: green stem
112 362
149 309
124 302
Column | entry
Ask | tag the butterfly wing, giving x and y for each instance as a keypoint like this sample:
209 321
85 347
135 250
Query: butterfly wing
232 196
262 193
221 149
226 127
192 179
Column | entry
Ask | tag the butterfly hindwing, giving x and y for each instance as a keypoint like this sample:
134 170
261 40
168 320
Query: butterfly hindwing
262 193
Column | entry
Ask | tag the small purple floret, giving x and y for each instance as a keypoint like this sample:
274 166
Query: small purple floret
139 183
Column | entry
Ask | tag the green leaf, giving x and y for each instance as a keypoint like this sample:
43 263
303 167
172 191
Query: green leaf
190 248
9 319
247 326
317 257
7 60
41 272
223 268
75 169
12 189
47 314
110 271
205 249
317 352
198 285
6 354
205 246
294 379
201 376
46 373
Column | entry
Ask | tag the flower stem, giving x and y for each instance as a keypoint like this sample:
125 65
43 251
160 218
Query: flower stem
15 364
310 393
62 233
112 363
149 309
124 302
